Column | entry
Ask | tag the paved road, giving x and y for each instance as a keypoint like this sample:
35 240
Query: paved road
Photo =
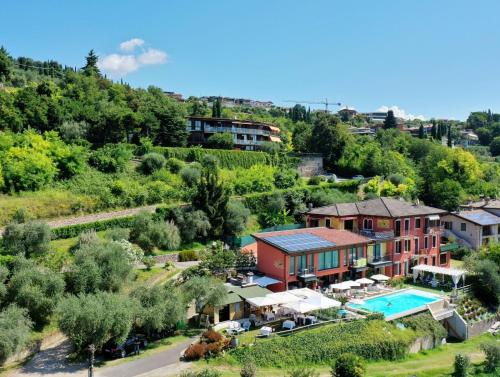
160 362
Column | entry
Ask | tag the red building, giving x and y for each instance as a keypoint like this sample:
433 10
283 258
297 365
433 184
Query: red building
310 256
402 234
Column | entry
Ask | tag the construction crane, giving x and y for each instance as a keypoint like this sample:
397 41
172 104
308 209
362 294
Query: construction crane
325 102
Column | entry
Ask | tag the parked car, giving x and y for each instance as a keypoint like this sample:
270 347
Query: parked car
358 177
113 349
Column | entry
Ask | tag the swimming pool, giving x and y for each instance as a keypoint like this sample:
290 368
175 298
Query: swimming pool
398 304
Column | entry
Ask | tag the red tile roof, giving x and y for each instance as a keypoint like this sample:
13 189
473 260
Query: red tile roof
339 237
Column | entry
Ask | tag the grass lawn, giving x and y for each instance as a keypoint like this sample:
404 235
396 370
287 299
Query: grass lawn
156 275
455 263
434 363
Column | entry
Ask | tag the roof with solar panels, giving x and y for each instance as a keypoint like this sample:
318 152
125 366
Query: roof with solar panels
310 239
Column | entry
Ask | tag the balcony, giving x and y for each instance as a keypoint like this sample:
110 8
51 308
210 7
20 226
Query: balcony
379 261
307 275
359 264
381 236
237 130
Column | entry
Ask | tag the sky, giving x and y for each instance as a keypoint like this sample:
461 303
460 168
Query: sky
424 58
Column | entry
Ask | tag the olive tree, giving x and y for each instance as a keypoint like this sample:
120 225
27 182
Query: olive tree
15 326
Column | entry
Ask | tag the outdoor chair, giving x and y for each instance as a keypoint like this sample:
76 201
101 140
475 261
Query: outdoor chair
246 325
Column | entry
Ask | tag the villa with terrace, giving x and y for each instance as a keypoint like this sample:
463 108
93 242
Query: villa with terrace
401 234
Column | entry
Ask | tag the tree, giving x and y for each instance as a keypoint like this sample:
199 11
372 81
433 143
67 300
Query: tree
212 196
193 224
301 137
148 233
484 135
448 194
15 331
486 283
160 308
434 132
329 138
31 238
248 370
218 260
5 64
492 352
421 134
495 146
35 288
205 291
448 136
236 218
101 266
348 365
390 121
217 108
93 319
461 366
91 68
221 140
111 158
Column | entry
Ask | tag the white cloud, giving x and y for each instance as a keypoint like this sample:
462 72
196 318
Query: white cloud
400 113
152 56
118 65
130 45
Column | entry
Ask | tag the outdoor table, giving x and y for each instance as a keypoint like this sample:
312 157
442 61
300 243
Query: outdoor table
288 324
266 331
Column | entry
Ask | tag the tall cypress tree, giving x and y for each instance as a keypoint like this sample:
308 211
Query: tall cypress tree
390 121
450 144
90 68
421 134
434 130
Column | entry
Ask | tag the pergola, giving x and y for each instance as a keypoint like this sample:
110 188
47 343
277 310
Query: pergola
455 274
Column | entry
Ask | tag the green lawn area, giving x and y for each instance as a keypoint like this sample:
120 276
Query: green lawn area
434 363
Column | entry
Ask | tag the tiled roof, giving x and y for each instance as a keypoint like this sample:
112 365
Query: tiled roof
479 216
383 207
338 237
490 204
248 291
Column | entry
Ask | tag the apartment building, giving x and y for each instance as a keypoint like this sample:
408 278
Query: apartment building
401 234
247 135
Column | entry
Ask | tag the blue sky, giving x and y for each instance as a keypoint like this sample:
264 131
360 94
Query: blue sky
437 58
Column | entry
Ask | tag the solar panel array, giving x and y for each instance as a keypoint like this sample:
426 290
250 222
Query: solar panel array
298 242
483 218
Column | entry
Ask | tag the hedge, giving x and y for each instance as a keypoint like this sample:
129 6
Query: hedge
372 340
75 230
228 159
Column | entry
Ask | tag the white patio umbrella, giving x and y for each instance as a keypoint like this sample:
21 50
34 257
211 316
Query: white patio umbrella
323 302
352 284
380 277
340 286
301 307
304 293
357 301
262 301
283 297
365 281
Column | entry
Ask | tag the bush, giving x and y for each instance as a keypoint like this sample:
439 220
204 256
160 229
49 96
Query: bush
151 162
148 233
302 372
15 327
248 370
348 365
285 178
236 218
112 158
492 352
193 224
31 238
71 231
188 255
204 373
314 181
190 175
195 351
461 365
174 165
223 140
117 234
149 261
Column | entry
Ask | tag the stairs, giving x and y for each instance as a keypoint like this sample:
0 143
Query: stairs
450 234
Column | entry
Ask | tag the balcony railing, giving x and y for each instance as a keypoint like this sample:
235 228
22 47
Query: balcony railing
359 263
379 259
238 130
386 235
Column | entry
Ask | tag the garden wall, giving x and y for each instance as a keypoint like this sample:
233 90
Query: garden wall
480 327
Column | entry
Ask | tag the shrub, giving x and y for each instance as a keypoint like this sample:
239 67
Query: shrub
71 231
193 224
248 370
204 373
148 233
151 162
348 365
195 351
302 372
236 218
285 178
190 175
188 255
314 181
461 365
222 140
15 327
112 158
31 238
174 165
492 352
117 234
149 261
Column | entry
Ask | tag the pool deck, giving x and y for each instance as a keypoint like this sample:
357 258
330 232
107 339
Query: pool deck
405 313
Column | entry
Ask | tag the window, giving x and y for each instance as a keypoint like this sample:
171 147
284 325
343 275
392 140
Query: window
237 307
433 260
292 266
352 254
310 264
417 222
396 269
301 263
463 227
361 252
434 239
407 245
443 258
368 224
416 245
328 259
328 223
448 225
397 246
345 257
407 225
397 228
426 242
314 223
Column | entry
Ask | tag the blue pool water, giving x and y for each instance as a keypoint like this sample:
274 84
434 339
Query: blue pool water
396 303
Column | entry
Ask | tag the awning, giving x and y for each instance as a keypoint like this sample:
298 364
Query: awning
262 301
304 293
455 274
323 302
380 277
283 297
340 286
275 139
365 281
264 281
433 217
301 307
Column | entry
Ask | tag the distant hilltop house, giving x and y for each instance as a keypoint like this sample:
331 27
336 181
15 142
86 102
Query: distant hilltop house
247 134
232 102
468 138
476 224
175 95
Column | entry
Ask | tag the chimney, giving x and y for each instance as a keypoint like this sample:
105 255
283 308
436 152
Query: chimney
250 278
